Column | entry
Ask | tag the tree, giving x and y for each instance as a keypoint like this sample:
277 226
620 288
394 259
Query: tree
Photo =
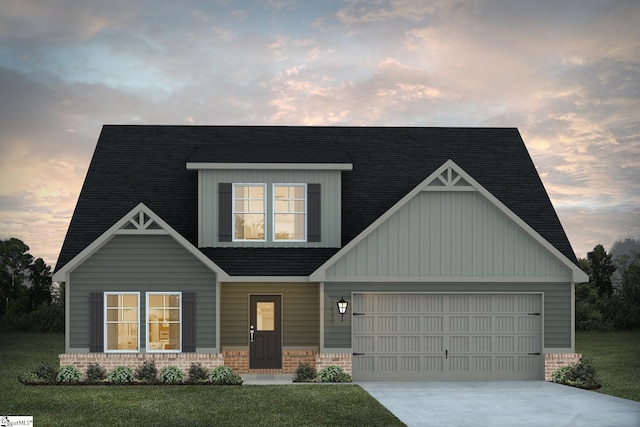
40 290
14 262
602 270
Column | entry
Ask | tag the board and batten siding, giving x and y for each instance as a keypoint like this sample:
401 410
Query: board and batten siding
448 234
300 312
142 263
330 184
556 303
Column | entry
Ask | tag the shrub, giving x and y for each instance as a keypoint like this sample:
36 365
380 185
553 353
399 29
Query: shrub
305 373
69 374
333 374
198 373
29 378
224 375
147 372
96 373
46 372
582 375
121 375
171 375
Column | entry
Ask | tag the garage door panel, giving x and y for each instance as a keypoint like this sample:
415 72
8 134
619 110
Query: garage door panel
429 336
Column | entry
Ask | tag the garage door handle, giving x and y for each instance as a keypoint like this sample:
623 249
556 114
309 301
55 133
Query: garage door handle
358 354
446 354
533 354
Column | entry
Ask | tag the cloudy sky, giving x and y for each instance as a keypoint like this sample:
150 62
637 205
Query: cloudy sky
566 73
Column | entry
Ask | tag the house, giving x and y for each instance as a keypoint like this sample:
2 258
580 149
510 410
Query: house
233 244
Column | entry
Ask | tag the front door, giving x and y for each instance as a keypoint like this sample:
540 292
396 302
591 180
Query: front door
265 332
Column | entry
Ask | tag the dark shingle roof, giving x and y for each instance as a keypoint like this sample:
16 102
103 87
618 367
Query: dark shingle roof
134 164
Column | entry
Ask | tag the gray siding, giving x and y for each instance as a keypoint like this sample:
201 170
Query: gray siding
142 263
448 234
556 298
300 312
330 182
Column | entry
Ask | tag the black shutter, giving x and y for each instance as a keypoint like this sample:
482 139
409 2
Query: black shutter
225 204
96 322
313 216
188 322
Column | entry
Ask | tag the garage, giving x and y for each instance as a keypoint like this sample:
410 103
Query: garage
437 336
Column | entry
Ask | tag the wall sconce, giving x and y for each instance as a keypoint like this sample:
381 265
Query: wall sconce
342 308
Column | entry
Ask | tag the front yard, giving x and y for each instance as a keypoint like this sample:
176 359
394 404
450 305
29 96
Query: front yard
295 405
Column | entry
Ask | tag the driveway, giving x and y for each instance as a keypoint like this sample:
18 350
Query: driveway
500 403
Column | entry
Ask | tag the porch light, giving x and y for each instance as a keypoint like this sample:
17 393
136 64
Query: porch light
342 308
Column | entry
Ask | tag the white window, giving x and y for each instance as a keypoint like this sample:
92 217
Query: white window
249 212
164 321
122 311
289 212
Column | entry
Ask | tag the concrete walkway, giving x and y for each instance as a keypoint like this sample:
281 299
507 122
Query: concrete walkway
500 403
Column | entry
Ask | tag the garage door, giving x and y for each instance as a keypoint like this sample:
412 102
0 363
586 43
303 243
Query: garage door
447 336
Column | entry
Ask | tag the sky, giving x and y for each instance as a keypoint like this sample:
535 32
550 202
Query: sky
565 73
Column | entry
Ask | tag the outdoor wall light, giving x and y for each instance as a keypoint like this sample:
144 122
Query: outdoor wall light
342 308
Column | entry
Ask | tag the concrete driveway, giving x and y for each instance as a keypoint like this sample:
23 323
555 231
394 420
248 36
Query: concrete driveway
500 403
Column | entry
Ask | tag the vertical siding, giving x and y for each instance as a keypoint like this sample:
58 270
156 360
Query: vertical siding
557 306
448 234
142 263
330 182
300 312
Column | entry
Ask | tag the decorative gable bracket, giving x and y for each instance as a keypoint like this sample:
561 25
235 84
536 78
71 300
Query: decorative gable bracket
448 179
140 222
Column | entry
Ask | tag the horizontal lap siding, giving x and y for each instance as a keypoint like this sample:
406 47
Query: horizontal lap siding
142 263
557 306
300 312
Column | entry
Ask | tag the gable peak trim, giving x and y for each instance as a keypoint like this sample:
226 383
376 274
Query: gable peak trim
448 178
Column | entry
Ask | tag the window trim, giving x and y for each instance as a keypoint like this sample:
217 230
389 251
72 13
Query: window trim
273 212
147 347
233 210
106 322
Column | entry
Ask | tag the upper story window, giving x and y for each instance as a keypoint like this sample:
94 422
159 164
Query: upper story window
289 212
249 212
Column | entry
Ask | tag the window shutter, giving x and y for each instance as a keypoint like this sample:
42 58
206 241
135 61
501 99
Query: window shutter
225 204
96 322
188 322
313 216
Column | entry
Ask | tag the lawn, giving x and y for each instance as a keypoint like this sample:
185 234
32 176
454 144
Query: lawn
255 405
616 357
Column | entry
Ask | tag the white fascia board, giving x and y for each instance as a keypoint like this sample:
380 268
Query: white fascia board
272 166
116 229
446 279
578 276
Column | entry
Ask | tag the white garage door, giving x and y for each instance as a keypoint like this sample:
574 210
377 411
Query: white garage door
447 336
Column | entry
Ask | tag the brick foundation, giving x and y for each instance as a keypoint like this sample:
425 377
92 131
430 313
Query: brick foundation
239 361
553 361
342 360
111 360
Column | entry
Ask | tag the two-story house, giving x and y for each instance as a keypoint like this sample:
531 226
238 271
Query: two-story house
234 244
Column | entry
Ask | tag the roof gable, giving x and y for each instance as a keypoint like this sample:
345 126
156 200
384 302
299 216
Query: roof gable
450 178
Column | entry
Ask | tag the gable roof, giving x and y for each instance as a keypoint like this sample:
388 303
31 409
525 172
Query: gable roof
147 164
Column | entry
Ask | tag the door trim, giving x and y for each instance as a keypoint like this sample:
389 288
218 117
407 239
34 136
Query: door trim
276 361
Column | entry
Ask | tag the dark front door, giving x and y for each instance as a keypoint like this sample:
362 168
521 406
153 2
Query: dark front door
265 332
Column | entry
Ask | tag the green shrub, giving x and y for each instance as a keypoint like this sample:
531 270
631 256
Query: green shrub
333 374
224 375
29 378
147 372
582 375
69 374
171 375
46 372
96 373
305 373
121 375
198 373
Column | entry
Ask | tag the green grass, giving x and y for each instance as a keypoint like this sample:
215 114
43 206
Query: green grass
278 405
616 357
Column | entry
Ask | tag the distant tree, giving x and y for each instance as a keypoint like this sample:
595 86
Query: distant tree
14 262
602 269
40 290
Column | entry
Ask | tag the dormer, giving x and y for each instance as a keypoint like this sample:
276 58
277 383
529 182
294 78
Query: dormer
287 196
